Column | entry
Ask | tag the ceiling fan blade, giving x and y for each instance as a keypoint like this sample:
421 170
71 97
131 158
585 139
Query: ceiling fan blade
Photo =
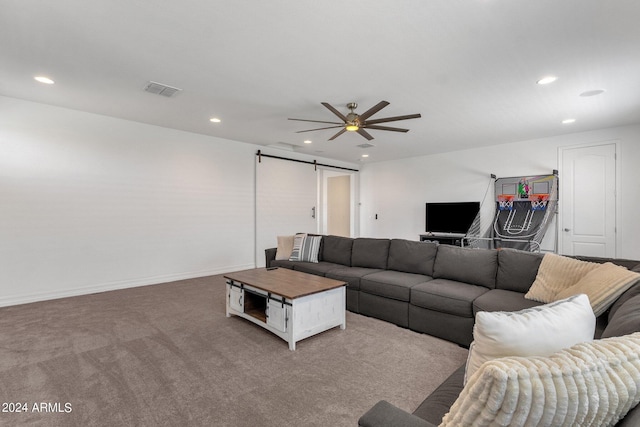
311 130
334 111
316 121
365 134
386 128
371 111
393 119
338 134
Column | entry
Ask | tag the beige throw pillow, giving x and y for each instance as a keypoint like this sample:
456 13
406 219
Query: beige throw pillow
555 274
602 285
285 247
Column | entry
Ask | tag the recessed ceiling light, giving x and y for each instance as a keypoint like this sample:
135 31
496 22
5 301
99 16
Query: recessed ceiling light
365 155
307 141
567 121
546 80
592 92
215 120
43 79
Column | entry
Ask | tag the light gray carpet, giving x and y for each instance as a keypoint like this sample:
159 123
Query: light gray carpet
166 355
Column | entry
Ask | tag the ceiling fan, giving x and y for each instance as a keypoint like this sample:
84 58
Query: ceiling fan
354 122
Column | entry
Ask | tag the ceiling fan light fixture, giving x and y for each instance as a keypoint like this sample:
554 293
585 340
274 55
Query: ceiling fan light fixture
353 122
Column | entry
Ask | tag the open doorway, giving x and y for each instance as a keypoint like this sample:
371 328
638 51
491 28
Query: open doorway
338 203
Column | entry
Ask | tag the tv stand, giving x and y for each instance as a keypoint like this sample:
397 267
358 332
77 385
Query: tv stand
454 239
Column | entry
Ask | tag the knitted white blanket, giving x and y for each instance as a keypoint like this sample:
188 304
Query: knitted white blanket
589 384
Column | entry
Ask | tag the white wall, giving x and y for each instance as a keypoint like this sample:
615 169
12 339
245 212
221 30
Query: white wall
397 190
91 203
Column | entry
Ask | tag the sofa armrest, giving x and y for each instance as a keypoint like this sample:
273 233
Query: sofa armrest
269 255
384 414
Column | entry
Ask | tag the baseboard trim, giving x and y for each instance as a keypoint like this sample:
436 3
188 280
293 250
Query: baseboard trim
113 286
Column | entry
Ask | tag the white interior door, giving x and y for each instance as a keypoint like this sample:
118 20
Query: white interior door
286 200
588 201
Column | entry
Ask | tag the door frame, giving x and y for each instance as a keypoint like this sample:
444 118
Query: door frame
325 173
618 216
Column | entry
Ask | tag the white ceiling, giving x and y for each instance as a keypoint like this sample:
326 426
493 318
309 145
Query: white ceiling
468 66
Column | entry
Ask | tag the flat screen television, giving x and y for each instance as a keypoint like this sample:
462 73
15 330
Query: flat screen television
452 217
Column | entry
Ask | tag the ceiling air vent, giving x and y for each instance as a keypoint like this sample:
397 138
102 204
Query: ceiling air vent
366 145
161 89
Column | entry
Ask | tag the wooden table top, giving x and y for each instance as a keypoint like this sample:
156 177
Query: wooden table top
285 282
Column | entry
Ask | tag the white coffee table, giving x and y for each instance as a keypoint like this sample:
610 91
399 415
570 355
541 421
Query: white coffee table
290 304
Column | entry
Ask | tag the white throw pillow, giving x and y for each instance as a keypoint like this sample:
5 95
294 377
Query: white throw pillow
591 384
536 331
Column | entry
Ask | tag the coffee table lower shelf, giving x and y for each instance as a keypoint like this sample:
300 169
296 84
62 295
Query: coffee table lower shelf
292 319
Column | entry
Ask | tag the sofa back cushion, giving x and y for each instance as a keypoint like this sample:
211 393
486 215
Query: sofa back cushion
370 253
517 270
412 257
337 249
473 266
630 293
629 264
626 319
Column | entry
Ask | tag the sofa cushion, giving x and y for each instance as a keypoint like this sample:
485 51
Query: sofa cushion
630 293
285 263
384 414
383 308
629 264
318 268
447 296
439 402
337 249
626 320
474 266
536 331
412 257
391 284
590 384
632 419
370 253
517 269
350 275
502 300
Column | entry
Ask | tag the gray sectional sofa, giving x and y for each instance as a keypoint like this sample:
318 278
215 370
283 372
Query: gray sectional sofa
438 289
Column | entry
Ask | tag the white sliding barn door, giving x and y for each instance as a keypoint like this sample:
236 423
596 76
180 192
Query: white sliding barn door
286 201
588 201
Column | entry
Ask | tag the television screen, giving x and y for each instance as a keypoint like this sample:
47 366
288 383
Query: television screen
453 217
